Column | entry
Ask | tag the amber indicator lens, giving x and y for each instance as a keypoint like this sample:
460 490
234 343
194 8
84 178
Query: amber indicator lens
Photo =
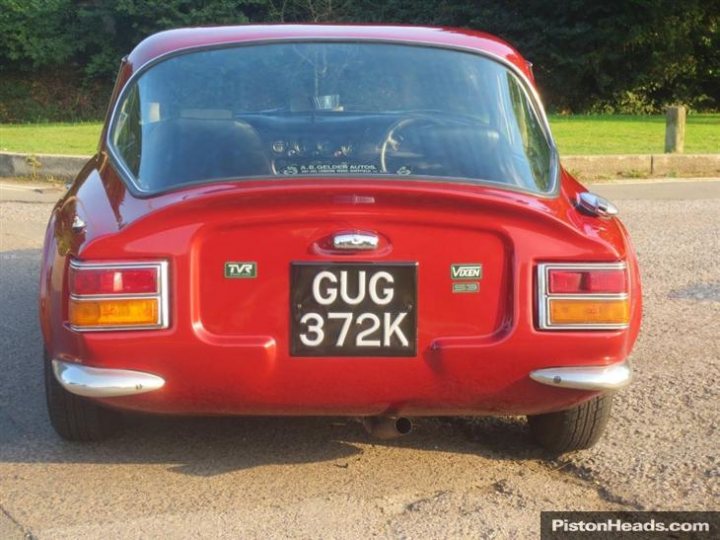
568 312
85 281
588 281
120 312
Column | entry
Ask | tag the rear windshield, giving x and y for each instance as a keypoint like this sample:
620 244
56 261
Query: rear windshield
351 110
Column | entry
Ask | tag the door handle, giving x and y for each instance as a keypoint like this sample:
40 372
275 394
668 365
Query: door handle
355 241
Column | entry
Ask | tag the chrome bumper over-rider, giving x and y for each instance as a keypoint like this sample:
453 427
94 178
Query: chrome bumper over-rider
103 383
600 378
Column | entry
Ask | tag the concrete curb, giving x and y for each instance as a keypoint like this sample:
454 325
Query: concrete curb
584 167
41 165
642 165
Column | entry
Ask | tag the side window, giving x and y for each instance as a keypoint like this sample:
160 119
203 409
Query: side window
127 136
531 136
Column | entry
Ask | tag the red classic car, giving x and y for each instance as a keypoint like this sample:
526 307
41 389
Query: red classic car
368 221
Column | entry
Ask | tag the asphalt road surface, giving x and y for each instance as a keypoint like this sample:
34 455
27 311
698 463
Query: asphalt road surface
324 478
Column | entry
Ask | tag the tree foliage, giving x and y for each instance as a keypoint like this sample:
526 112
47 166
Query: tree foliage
616 55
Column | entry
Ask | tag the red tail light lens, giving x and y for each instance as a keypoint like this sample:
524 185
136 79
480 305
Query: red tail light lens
587 281
85 281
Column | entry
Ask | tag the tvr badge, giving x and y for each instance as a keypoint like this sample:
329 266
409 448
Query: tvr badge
240 269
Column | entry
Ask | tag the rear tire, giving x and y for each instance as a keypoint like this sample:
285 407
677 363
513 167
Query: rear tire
573 429
76 418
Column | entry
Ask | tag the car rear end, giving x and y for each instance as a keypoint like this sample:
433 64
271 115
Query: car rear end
247 304
337 257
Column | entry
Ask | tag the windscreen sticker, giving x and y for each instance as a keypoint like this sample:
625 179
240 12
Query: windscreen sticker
330 168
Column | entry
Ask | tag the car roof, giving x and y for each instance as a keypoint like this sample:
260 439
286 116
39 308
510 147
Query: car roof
162 43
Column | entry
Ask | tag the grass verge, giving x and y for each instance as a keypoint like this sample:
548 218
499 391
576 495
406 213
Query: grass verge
575 135
623 134
80 139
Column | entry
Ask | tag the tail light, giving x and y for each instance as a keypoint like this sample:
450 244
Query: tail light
118 296
583 296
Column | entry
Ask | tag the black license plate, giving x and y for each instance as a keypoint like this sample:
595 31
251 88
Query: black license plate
353 309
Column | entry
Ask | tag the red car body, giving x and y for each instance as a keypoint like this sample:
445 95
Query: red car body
226 345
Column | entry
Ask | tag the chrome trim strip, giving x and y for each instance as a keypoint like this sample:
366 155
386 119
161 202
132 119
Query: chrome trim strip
585 296
162 295
356 241
118 296
103 383
603 378
544 297
528 87
83 265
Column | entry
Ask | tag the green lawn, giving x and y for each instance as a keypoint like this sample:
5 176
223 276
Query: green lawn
609 134
574 134
81 139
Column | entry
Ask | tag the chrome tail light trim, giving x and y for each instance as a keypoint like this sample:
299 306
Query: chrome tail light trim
544 295
162 295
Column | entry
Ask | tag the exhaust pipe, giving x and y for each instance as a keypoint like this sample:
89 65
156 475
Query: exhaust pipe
387 427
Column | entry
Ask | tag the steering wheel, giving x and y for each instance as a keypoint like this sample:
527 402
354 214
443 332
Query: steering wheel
396 135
